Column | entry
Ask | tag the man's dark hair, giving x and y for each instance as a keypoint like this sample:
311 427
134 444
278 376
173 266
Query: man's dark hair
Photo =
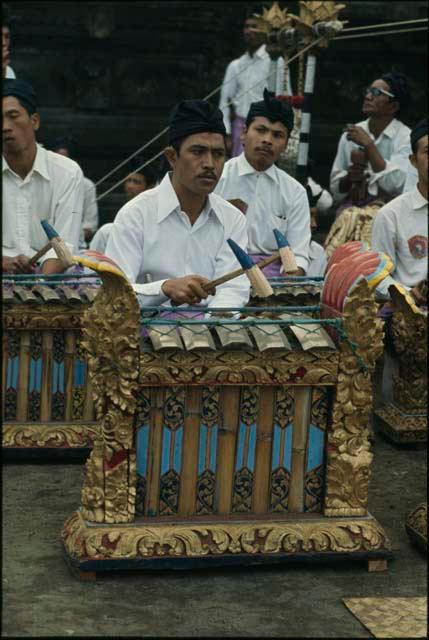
149 172
399 86
65 142
420 130
6 18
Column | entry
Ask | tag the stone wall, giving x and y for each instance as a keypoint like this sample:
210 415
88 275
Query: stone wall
108 73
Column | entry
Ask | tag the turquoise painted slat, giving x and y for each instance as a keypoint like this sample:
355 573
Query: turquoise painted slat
177 456
58 377
32 375
276 448
165 457
316 444
213 448
38 381
252 447
287 451
142 449
240 446
15 370
202 448
79 373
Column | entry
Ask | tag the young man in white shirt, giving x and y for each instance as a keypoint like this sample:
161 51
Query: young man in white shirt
267 195
244 82
37 184
400 228
66 147
384 141
175 235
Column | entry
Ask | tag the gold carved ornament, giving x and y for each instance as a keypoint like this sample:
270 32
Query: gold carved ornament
354 223
409 330
48 435
111 339
349 456
211 539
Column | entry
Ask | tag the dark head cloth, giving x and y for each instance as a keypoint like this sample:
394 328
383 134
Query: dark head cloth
398 83
21 90
272 108
194 116
420 130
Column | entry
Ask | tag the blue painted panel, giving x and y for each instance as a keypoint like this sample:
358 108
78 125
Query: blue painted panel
213 448
35 381
165 457
276 447
240 446
202 448
142 449
15 370
252 448
58 377
177 455
287 450
316 445
39 368
32 375
79 373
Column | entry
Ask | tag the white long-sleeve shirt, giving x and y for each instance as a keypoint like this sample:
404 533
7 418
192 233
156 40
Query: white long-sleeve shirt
274 200
400 229
318 260
394 146
151 236
52 190
90 210
245 80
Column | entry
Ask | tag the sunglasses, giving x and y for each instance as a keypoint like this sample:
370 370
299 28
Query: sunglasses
375 91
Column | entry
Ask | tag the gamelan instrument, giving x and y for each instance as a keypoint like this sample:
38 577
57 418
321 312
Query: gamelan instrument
230 440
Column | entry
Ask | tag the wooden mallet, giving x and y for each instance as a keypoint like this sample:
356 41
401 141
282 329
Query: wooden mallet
57 244
285 250
259 282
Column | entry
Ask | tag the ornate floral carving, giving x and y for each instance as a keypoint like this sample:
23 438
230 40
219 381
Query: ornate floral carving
354 223
205 492
111 338
83 542
47 436
280 482
349 458
47 316
416 526
238 367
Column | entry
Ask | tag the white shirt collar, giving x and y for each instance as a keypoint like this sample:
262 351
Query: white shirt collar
244 168
40 164
418 201
259 53
168 201
390 131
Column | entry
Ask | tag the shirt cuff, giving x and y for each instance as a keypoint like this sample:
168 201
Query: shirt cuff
151 289
302 262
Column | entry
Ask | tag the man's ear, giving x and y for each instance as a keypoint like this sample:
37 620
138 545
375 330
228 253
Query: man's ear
396 106
243 136
35 119
171 155
412 158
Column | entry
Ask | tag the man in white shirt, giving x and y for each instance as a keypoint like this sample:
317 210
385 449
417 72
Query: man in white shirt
37 184
319 200
168 234
384 141
65 147
267 195
400 228
244 82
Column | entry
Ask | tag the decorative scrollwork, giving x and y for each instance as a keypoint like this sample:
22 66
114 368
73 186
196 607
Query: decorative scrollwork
280 482
49 436
205 492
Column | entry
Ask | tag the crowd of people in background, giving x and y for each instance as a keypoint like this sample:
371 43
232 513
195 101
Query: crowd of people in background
222 180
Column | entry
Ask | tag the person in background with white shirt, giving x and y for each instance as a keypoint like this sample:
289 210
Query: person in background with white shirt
244 82
65 147
37 184
178 229
383 141
267 195
7 71
319 200
400 228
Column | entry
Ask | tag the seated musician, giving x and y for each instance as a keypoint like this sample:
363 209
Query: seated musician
317 256
37 184
372 156
267 195
400 228
175 234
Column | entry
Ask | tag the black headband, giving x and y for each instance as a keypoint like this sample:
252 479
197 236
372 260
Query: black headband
272 108
194 116
21 90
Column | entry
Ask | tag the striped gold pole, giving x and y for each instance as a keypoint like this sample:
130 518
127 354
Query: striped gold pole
69 373
155 452
301 422
230 399
46 390
261 483
189 472
24 370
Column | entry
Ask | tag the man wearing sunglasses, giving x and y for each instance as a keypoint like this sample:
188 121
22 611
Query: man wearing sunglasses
373 154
